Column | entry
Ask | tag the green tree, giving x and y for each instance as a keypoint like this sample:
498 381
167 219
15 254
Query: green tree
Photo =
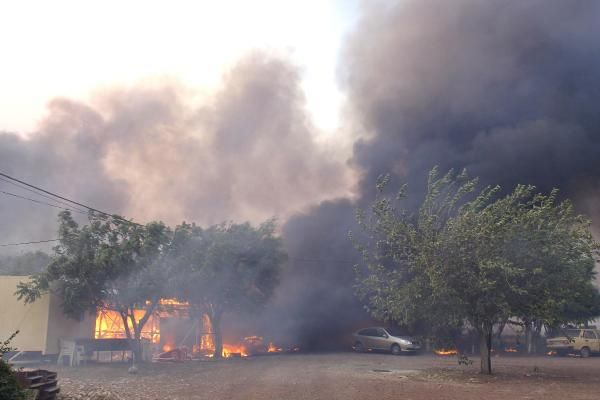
401 250
473 257
475 269
141 253
226 267
79 272
110 263
557 285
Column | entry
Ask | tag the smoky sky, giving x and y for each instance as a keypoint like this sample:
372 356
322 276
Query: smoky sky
509 89
162 151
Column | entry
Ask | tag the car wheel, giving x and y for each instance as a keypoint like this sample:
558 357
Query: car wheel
585 352
358 347
396 350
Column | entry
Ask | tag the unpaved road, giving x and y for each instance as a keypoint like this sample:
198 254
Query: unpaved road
340 376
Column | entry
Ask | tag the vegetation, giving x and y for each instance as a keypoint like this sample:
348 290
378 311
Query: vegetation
9 387
143 282
226 267
114 264
110 263
476 258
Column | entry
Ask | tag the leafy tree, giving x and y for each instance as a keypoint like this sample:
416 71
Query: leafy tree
226 267
474 258
80 272
400 252
476 271
110 263
557 285
141 254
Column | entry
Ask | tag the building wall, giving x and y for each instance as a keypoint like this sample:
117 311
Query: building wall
40 324
62 327
30 319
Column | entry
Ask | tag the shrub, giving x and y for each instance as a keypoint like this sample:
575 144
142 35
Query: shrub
9 387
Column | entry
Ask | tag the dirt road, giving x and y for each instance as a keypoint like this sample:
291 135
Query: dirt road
340 376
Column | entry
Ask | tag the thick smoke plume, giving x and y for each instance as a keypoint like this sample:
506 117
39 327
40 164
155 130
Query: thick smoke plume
164 152
508 89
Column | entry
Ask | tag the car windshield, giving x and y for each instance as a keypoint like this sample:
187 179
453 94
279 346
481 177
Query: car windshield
397 333
571 332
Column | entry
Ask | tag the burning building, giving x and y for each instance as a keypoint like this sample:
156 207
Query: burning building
171 328
42 325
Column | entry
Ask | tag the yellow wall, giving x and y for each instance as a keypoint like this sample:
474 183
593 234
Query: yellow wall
40 324
31 320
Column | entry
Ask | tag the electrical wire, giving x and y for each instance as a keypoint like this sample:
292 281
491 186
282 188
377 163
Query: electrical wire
121 219
42 195
315 260
39 202
24 243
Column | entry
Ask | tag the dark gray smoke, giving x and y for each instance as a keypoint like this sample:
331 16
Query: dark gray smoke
508 89
165 152
316 293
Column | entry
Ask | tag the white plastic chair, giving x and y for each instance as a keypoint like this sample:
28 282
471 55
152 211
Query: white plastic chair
68 349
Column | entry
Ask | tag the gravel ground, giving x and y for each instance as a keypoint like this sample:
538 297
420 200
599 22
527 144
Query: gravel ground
338 376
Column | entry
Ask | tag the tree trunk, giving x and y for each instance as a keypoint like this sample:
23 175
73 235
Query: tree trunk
485 348
500 330
130 338
136 343
528 336
136 347
537 334
215 321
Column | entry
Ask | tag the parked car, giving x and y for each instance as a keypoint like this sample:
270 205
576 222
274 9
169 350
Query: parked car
582 341
384 339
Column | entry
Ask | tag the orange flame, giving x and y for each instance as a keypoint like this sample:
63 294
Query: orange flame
446 352
273 349
511 350
109 325
172 302
234 351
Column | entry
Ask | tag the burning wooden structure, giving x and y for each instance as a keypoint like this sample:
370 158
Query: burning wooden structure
42 325
176 337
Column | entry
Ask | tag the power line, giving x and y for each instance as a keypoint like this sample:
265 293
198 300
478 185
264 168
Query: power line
41 194
324 260
67 199
40 202
23 243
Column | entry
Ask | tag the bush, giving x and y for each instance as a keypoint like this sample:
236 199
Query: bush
9 387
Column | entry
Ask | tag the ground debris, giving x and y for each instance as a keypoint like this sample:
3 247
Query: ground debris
346 376
90 392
